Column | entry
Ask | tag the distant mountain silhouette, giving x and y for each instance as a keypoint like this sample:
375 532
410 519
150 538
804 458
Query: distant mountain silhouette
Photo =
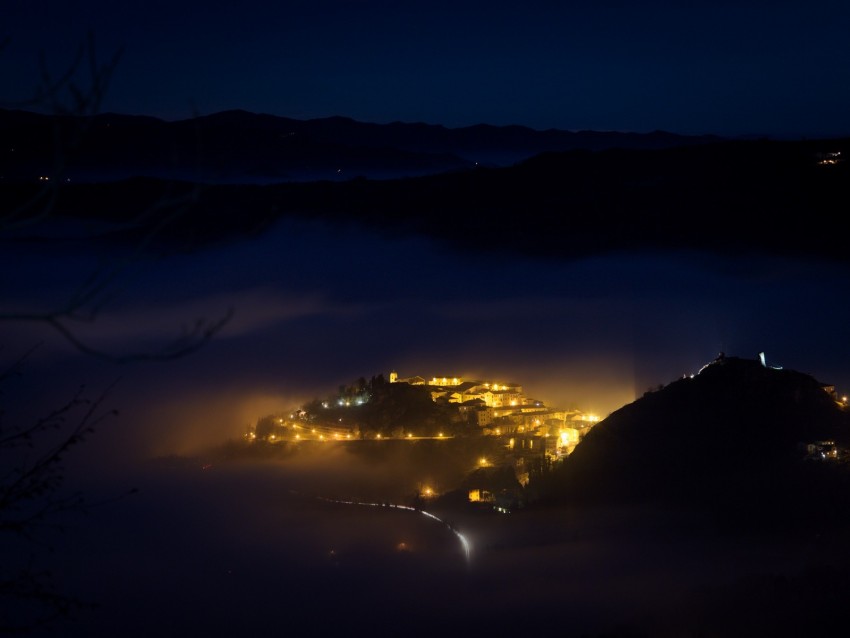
655 192
732 439
242 147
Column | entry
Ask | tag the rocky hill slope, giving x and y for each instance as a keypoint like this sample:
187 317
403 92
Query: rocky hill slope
735 439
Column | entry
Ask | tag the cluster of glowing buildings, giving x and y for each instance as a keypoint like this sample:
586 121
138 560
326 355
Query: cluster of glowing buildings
528 426
503 409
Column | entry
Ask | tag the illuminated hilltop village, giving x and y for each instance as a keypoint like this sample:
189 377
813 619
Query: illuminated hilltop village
503 408
490 440
509 435
442 407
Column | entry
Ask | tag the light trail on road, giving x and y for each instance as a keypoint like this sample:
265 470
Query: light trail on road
467 546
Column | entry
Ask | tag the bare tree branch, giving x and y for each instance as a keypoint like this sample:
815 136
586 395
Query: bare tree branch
63 95
54 93
33 450
29 489
32 477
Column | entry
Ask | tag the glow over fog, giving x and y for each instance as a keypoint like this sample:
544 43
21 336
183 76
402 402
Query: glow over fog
317 307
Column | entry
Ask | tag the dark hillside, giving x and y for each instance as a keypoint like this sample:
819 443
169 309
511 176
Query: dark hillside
756 197
241 147
733 439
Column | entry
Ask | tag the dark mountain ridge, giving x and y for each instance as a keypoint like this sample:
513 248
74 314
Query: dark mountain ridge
733 197
483 143
242 147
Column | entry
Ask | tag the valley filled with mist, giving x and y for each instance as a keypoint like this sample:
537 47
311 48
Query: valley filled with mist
171 341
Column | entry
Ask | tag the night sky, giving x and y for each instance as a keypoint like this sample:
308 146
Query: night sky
316 306
754 67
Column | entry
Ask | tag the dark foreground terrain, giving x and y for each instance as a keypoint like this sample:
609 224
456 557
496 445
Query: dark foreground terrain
247 548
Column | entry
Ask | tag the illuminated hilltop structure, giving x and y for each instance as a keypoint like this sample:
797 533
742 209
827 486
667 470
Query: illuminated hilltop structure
503 408
387 408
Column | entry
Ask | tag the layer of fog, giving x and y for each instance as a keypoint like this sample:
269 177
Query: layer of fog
249 549
316 307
